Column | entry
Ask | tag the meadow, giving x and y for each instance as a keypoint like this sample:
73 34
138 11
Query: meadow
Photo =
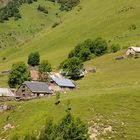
88 20
111 94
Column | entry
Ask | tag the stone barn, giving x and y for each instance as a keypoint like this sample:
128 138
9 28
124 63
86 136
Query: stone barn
33 89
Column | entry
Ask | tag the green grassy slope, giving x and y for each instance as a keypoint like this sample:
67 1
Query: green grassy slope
96 18
13 33
113 93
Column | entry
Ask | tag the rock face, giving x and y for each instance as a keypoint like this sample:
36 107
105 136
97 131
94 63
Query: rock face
4 108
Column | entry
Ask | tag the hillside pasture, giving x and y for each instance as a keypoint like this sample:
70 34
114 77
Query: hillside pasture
111 94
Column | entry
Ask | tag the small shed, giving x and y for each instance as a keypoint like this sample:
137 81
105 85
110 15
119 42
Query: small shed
132 51
6 92
33 89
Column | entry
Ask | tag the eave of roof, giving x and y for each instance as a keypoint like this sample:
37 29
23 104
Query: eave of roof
63 82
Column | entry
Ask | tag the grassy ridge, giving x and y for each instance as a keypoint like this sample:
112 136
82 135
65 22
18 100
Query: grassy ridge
112 92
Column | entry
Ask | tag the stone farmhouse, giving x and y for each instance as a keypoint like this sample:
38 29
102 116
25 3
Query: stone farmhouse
33 89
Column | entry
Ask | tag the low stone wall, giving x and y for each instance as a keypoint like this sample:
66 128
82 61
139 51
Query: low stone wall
4 99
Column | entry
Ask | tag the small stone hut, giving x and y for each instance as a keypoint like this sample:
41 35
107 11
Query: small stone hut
33 89
132 51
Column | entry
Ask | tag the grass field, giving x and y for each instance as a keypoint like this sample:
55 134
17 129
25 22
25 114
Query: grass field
13 33
113 92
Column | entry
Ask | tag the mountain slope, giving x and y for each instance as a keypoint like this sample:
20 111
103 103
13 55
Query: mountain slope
109 19
111 94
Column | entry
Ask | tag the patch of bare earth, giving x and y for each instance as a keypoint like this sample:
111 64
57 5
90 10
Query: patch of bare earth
100 128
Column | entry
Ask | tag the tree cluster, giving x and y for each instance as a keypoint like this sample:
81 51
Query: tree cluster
66 5
34 59
69 128
89 48
84 51
19 73
12 9
72 67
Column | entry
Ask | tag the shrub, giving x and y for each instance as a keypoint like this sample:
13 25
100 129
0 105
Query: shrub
132 27
34 59
67 5
55 24
115 47
100 46
42 9
44 68
84 54
57 98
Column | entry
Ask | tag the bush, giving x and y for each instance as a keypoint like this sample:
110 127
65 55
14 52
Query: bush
55 24
12 9
115 47
42 9
84 54
100 47
44 68
34 59
132 27
67 5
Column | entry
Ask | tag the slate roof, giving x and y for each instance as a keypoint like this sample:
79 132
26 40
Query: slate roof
37 87
6 92
63 82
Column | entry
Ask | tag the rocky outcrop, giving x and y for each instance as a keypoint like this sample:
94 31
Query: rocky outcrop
4 107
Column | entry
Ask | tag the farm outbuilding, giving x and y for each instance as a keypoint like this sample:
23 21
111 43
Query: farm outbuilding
61 84
6 92
132 51
33 89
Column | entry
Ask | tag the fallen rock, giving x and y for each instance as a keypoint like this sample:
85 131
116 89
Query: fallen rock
8 126
5 107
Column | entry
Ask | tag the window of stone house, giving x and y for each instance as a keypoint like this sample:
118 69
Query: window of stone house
23 90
